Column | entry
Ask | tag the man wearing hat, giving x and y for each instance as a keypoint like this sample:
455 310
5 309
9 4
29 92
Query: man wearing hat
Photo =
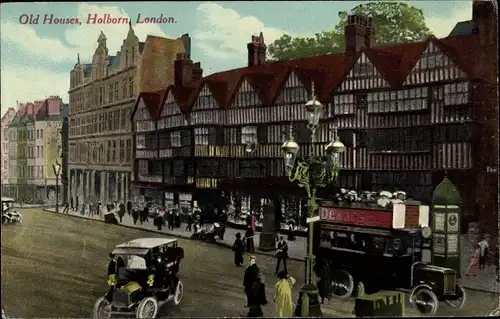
251 279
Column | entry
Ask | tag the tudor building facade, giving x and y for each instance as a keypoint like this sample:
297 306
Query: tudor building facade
404 127
102 97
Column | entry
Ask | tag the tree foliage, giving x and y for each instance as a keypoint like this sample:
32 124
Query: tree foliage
395 22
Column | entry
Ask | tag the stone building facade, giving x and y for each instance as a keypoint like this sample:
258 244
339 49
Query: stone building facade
6 119
102 95
34 146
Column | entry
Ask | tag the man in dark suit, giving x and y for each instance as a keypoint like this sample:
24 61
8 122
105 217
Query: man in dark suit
129 208
250 280
282 254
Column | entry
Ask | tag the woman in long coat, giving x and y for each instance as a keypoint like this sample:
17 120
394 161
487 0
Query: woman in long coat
239 249
283 296
324 283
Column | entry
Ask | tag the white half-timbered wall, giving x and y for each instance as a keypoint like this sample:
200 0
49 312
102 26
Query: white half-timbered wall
249 134
205 110
171 115
142 113
170 107
448 103
201 136
434 66
276 113
413 99
363 76
205 100
293 91
452 156
246 96
344 104
142 119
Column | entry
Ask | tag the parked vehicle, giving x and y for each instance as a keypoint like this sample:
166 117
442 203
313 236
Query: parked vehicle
209 232
9 215
366 252
143 291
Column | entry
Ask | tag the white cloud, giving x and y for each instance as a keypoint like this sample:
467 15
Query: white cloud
441 26
81 38
224 33
31 83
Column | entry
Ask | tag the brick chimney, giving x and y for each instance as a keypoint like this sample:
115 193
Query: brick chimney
183 67
197 72
262 52
371 34
359 32
186 40
257 50
54 105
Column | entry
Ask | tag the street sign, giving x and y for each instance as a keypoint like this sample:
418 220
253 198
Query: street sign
312 219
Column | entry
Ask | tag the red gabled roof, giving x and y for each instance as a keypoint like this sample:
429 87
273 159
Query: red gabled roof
394 62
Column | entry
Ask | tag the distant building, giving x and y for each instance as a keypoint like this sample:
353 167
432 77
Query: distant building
408 114
64 154
35 145
6 119
102 96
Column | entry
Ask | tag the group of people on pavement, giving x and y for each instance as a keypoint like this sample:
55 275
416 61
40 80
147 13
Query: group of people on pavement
480 257
255 291
253 282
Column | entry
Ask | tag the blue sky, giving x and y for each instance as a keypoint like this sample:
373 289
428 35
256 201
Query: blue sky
36 59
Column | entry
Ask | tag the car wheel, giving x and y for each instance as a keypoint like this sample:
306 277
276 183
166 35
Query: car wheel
458 303
424 300
178 294
342 284
102 309
148 308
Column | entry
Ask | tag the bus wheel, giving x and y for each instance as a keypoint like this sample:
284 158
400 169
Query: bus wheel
342 284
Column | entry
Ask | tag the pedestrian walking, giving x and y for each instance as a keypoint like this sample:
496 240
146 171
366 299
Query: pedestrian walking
76 203
71 204
171 219
66 208
283 295
135 216
291 231
249 239
90 211
189 221
158 219
129 208
98 208
239 250
177 218
282 254
485 247
324 283
121 212
473 268
254 289
144 214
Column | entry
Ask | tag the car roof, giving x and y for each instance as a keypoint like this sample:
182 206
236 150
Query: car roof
147 243
7 199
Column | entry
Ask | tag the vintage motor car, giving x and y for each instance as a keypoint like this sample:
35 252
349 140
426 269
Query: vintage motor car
9 215
142 290
365 253
209 232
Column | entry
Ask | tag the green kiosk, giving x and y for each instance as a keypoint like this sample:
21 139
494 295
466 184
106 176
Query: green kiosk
445 223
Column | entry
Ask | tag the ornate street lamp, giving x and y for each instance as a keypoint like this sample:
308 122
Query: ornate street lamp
312 173
57 171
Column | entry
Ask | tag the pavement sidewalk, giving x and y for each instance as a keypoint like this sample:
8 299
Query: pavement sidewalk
485 281
296 249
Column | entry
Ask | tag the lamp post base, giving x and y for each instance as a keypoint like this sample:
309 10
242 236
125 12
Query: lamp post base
308 304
